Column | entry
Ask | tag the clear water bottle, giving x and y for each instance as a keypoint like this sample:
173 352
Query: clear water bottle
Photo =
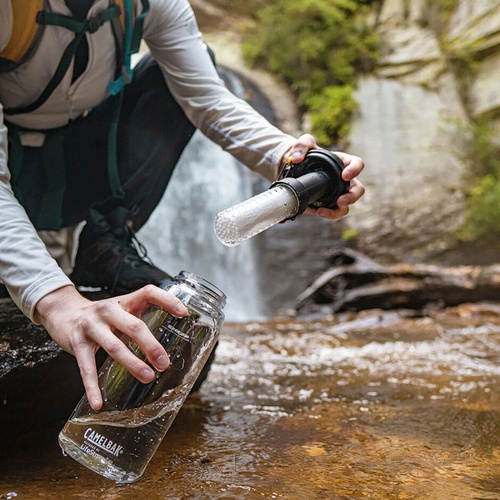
119 440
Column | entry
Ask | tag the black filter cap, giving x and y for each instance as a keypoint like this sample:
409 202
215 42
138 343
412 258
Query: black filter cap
321 160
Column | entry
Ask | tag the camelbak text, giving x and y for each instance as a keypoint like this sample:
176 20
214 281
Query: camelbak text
102 442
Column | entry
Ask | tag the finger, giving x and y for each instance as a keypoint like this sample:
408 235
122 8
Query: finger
303 144
121 353
85 358
356 191
137 301
329 213
332 214
112 322
124 323
354 165
136 330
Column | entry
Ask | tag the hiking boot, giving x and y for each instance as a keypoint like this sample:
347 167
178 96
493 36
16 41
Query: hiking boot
110 256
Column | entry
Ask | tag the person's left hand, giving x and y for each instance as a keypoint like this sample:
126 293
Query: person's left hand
353 167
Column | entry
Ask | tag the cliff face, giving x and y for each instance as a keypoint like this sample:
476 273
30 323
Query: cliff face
409 127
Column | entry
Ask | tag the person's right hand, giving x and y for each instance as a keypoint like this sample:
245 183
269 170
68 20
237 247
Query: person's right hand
81 326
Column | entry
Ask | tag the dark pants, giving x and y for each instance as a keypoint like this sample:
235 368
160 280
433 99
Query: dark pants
152 133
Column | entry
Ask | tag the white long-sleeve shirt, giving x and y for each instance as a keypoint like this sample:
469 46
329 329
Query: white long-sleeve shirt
172 35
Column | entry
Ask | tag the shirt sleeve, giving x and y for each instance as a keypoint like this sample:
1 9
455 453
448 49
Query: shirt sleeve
26 267
171 33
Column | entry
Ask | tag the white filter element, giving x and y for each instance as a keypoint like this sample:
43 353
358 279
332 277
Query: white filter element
252 216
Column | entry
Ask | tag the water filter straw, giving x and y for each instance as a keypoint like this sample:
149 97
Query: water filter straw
252 216
315 182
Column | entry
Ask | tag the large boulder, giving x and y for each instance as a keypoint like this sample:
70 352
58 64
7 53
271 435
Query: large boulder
410 124
40 384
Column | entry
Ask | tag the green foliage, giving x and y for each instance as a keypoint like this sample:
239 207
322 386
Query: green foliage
330 112
482 149
483 197
483 210
315 45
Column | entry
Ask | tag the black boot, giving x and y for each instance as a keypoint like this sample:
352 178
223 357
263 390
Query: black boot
110 257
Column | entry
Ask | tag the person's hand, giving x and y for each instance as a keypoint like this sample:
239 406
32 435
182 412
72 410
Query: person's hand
81 326
353 167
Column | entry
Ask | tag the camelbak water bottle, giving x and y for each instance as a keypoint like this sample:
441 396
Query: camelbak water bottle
315 182
119 440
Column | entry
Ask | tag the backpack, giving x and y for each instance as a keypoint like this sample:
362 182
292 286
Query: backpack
30 17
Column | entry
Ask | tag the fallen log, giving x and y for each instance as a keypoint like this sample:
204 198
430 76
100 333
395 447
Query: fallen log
357 283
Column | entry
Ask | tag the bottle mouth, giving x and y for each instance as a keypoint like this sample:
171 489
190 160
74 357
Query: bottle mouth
214 295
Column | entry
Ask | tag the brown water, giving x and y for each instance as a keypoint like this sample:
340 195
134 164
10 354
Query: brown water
376 405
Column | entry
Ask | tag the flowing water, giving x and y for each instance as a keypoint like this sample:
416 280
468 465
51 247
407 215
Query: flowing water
378 405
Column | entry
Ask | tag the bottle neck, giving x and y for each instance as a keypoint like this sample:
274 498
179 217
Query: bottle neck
210 293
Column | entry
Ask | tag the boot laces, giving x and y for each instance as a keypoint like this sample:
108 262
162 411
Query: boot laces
133 249
139 249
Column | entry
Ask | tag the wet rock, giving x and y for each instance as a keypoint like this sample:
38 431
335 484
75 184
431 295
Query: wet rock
357 282
22 344
412 121
39 383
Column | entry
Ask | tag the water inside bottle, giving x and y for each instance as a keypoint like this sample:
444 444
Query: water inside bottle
120 444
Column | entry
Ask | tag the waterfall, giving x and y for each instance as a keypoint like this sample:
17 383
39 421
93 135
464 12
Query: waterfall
179 234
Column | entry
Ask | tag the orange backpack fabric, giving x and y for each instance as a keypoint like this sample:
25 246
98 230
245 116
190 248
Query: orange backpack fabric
26 31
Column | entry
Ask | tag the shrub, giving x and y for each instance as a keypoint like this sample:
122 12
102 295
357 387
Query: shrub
330 111
482 219
316 46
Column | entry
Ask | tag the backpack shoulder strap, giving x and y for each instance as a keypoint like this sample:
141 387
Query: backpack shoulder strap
132 25
25 33
80 28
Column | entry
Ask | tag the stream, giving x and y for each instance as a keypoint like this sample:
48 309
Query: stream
379 405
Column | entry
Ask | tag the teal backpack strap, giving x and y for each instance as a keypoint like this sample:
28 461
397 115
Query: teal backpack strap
133 36
135 43
80 28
